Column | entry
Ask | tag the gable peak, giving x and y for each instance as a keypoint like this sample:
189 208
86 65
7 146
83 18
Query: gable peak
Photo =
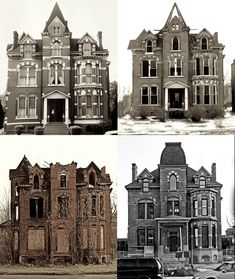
175 16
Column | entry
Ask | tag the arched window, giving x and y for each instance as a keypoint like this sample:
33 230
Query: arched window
202 182
175 44
56 49
63 180
101 205
92 179
86 49
204 43
149 46
56 74
36 182
173 182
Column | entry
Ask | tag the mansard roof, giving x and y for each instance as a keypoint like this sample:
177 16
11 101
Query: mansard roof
56 12
173 154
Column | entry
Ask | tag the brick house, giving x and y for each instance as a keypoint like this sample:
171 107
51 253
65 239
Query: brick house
175 211
61 213
57 79
174 70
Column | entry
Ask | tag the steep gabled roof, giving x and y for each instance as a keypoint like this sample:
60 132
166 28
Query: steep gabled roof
145 174
56 12
137 43
25 38
202 172
94 166
87 36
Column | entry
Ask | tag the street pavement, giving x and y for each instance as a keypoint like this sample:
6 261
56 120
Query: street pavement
80 276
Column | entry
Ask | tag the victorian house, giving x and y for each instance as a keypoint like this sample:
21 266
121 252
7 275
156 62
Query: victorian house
57 79
174 212
61 213
174 69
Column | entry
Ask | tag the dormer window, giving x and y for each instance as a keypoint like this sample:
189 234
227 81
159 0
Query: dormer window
92 180
86 49
145 185
63 180
204 43
202 182
149 46
175 44
36 182
28 49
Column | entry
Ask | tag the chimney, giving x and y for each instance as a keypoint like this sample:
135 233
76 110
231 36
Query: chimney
216 37
103 170
213 172
100 40
134 172
15 39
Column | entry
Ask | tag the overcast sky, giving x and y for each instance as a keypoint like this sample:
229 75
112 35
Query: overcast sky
83 16
136 15
102 150
145 151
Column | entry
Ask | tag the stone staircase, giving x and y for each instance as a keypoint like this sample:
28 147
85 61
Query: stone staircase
171 261
56 128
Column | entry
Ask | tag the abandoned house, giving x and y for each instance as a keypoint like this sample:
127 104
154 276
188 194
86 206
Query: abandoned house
58 80
61 213
174 212
175 70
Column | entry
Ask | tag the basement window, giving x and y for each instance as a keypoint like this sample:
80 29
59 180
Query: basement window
36 208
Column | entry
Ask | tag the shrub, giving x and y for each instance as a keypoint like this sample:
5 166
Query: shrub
215 112
161 115
75 130
143 115
196 114
39 130
19 129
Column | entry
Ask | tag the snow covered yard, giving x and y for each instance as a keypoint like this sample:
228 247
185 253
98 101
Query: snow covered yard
221 126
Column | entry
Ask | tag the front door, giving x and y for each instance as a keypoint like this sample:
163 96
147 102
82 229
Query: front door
176 98
173 241
56 110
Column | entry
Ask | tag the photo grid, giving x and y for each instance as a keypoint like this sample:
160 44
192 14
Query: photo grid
117 123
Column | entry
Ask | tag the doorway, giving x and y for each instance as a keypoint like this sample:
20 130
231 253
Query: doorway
176 98
173 241
56 110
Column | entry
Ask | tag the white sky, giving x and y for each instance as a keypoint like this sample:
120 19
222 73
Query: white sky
102 150
136 15
145 151
82 15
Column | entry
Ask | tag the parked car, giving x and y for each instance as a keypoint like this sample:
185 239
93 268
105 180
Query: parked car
139 268
224 271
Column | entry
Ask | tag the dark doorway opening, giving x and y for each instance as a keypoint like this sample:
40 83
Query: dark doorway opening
176 98
56 109
173 241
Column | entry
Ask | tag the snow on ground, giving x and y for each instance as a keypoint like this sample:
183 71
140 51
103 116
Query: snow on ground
222 126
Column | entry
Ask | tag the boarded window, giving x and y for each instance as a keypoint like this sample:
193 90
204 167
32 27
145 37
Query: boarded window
62 241
36 208
36 239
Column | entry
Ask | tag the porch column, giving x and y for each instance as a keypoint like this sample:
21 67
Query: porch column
66 111
44 111
186 98
166 99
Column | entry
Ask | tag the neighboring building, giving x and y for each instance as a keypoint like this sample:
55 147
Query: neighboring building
227 95
61 213
174 70
57 79
124 106
175 211
122 247
233 85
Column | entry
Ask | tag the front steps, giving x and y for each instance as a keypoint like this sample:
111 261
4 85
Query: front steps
56 128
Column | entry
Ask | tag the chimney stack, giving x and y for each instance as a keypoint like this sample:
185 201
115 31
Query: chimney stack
134 172
15 39
216 37
100 40
213 172
103 170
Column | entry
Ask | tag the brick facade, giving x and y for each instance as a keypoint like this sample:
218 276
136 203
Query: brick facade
57 79
174 70
175 209
61 213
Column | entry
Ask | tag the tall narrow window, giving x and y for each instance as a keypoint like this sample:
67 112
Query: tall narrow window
213 236
56 49
144 95
150 211
145 185
195 208
36 182
101 205
195 237
215 95
62 207
149 46
36 208
141 210
56 74
153 68
140 236
202 182
28 49
21 109
173 182
154 95
86 49
204 44
212 206
206 95
175 44
197 66
32 106
92 179
150 236
204 207
63 180
198 94
214 66
205 237
102 238
206 67
93 206
145 68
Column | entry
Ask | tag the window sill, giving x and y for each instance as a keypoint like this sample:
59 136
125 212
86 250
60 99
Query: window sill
156 105
27 85
150 77
175 76
60 85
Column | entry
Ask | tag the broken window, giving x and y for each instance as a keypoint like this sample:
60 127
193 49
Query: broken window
93 206
197 66
36 182
101 205
150 236
63 180
145 69
144 97
92 179
204 43
62 207
36 208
